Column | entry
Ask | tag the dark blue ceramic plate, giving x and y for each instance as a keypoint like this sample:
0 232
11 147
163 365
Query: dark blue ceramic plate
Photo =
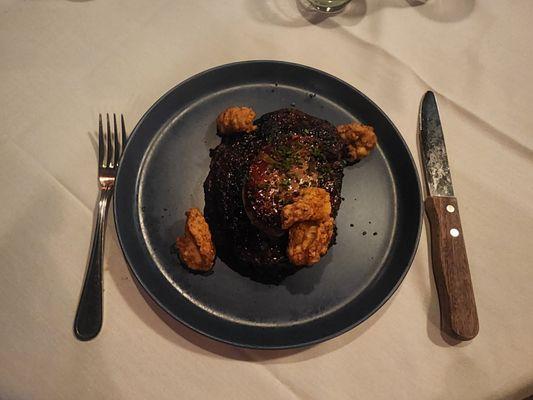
161 176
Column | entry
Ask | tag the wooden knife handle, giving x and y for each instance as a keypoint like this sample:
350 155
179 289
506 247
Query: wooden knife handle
450 269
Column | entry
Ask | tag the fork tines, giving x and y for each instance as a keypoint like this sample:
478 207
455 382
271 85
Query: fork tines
110 148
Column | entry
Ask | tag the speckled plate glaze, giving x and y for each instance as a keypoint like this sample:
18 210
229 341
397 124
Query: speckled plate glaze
163 169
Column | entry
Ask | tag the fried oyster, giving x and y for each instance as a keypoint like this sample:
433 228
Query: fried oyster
359 140
236 120
312 204
196 247
309 240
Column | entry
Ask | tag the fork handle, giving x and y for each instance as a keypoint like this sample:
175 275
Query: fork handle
88 321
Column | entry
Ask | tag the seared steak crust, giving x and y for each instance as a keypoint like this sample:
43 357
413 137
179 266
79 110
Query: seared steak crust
252 176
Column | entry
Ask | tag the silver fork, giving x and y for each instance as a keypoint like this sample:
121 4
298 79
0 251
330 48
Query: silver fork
88 321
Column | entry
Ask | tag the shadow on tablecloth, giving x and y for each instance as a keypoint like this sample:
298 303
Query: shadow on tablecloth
164 325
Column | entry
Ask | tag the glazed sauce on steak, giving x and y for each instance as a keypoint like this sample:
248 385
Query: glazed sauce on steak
274 179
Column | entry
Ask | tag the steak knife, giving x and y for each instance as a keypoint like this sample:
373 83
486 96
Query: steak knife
448 252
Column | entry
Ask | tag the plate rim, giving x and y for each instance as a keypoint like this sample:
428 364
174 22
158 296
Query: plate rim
300 344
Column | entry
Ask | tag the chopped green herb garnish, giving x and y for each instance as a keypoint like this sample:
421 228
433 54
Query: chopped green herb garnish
285 183
317 153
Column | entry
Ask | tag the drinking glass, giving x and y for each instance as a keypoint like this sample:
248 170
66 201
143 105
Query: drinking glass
327 6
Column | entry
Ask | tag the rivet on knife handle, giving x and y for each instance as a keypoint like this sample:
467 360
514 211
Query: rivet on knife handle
450 268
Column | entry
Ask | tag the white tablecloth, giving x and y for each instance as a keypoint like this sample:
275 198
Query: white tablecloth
62 62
